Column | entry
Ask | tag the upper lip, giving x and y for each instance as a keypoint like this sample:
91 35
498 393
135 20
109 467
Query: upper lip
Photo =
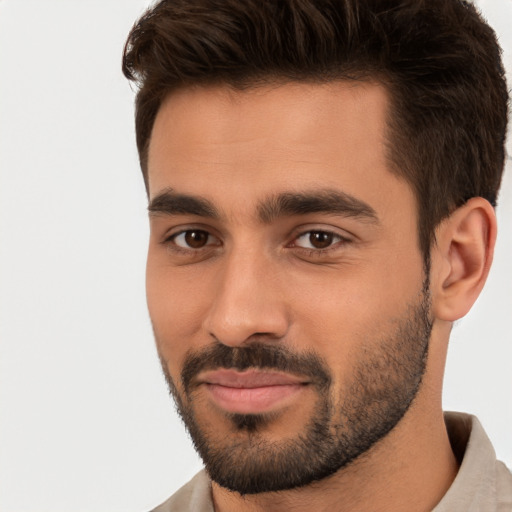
249 378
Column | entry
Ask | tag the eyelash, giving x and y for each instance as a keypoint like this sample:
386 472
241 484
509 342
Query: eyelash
338 241
309 252
170 240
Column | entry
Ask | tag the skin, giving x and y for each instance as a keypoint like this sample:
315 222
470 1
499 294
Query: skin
262 280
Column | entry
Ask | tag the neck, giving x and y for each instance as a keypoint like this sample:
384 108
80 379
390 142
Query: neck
409 470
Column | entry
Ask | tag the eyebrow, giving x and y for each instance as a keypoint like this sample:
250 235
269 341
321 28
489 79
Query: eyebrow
169 202
328 201
322 201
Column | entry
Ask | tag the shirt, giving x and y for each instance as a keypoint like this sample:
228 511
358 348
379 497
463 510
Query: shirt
482 484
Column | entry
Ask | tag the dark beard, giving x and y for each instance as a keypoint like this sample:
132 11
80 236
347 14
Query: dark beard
385 382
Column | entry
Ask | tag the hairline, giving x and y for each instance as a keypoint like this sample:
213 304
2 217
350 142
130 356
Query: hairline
395 162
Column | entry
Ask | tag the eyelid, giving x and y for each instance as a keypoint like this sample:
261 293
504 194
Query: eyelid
342 239
171 234
311 228
208 243
336 238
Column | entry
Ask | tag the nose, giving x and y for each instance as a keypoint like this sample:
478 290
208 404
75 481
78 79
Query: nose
248 302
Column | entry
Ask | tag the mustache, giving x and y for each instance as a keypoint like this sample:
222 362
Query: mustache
256 355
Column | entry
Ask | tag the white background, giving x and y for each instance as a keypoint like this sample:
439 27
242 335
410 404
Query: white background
85 420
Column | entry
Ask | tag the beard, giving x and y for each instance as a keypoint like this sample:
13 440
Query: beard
383 383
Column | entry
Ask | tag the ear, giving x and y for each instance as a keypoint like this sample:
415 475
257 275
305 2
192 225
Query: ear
461 258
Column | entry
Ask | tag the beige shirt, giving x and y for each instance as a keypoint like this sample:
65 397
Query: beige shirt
483 484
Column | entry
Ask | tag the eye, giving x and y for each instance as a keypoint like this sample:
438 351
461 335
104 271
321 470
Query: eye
317 240
193 239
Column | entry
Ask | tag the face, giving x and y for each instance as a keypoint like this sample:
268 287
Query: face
284 280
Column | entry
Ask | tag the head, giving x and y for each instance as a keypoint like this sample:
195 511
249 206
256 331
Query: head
300 158
438 60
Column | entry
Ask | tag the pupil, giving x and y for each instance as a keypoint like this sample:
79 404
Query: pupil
196 239
320 239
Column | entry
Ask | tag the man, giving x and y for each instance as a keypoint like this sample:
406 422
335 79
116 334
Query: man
321 178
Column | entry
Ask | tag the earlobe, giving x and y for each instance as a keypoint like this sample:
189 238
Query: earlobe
464 252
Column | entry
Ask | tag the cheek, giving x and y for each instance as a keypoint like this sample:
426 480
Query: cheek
176 307
353 295
337 313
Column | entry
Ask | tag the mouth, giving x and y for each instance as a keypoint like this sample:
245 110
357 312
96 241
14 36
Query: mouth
251 391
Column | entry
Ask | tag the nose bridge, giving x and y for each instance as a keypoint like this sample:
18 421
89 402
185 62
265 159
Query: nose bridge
248 300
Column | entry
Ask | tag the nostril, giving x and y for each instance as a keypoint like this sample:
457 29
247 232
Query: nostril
241 337
243 309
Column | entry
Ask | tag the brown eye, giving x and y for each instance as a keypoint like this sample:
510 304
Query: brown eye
320 239
196 239
193 239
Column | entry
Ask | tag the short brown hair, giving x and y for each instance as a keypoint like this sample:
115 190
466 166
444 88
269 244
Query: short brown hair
439 60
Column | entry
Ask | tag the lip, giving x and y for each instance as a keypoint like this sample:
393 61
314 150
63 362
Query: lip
252 391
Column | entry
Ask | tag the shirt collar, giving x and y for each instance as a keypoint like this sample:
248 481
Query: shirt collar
474 487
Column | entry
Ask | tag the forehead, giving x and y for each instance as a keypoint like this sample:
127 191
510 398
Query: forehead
239 146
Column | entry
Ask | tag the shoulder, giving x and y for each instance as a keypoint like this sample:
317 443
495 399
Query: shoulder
482 483
503 487
194 496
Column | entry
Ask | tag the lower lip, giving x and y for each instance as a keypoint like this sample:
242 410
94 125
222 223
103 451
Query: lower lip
252 400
